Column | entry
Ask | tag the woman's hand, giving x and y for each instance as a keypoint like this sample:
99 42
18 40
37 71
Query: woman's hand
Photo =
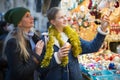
39 47
64 50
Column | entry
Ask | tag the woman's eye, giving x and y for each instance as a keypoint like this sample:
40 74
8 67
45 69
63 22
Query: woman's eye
28 15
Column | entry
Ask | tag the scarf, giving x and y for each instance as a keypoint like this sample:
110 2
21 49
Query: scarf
74 41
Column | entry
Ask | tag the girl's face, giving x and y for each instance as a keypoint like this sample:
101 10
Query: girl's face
60 20
27 21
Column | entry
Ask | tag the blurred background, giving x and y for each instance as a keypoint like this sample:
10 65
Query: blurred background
83 15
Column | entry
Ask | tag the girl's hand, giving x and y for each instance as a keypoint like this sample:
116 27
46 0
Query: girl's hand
63 51
104 23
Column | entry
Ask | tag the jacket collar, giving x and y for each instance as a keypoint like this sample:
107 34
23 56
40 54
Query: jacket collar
64 38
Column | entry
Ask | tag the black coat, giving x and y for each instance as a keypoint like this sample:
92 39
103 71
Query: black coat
19 69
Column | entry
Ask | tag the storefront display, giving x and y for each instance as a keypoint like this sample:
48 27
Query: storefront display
102 65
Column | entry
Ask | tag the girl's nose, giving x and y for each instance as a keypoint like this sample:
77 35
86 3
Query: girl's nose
65 18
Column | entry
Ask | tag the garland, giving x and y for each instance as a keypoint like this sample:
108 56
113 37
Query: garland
74 40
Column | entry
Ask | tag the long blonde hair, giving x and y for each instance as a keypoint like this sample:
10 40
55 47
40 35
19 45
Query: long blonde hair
18 34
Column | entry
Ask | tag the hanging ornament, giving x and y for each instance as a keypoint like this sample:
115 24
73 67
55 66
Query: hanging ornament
116 5
80 1
93 9
97 14
97 22
82 8
90 4
92 12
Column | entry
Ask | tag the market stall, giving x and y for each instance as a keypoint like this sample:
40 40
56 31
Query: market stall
104 64
85 18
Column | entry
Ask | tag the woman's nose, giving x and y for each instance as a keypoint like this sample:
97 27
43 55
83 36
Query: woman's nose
32 17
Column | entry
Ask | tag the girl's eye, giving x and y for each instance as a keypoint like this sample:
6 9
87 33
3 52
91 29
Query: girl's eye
62 17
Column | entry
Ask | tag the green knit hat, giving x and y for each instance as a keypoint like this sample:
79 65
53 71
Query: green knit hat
15 15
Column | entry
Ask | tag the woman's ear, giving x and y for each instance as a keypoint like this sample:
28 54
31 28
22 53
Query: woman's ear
20 24
52 22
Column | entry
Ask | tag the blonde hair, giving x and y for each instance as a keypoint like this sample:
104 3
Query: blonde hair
18 34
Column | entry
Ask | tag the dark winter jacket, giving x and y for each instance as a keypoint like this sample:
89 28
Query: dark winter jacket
18 68
72 71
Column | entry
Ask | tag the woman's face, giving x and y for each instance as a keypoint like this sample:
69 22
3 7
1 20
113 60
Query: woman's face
27 21
60 20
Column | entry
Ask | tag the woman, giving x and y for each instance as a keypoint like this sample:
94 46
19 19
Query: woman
22 46
60 61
